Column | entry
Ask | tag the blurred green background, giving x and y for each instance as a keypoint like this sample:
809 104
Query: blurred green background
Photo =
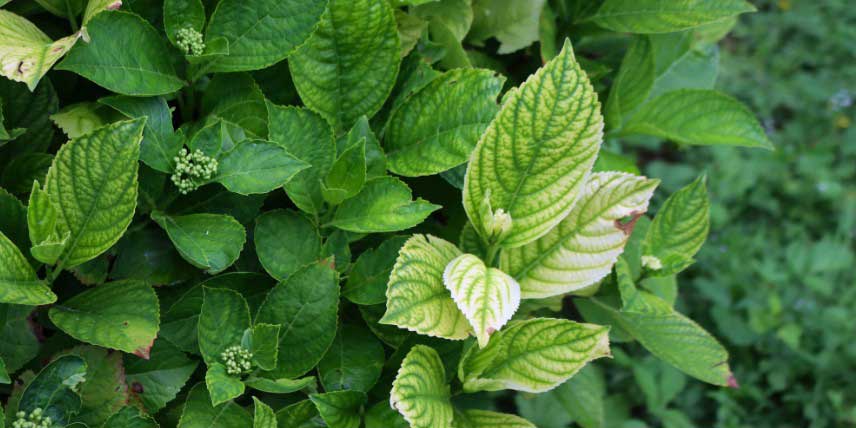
776 281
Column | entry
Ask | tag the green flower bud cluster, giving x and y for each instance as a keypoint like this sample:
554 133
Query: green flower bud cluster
190 41
35 419
238 360
192 170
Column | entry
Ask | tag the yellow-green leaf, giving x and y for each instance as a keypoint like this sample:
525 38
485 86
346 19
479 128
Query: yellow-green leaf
18 281
26 53
420 392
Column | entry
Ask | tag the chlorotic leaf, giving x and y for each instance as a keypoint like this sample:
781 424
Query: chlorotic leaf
681 225
262 33
19 284
420 392
257 166
94 7
121 315
263 416
26 53
348 66
582 249
437 128
92 184
353 362
665 16
224 317
207 241
698 117
54 389
285 242
222 386
513 23
79 119
126 55
416 297
535 356
474 418
308 304
534 157
488 297
199 413
339 409
384 205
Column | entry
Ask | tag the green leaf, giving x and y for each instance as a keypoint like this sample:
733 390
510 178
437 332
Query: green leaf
121 315
16 330
665 16
308 303
474 418
263 416
149 256
18 175
437 128
257 166
41 222
159 145
347 175
4 375
126 55
237 100
224 317
131 417
420 392
353 362
535 356
207 241
18 281
348 66
222 386
285 242
581 249
381 415
513 23
27 53
368 278
669 335
487 297
302 414
533 159
308 137
582 397
633 83
96 207
181 14
156 381
262 33
698 117
54 389
199 413
340 409
7 135
280 386
263 341
410 29
375 157
416 297
104 392
31 111
384 205
681 225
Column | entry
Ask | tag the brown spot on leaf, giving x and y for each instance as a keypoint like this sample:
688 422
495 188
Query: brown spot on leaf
137 388
145 351
732 382
115 5
627 227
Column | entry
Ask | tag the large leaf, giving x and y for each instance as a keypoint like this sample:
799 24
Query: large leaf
105 390
261 33
237 100
474 418
340 409
54 389
420 392
368 278
533 159
354 361
263 415
224 317
488 297
18 281
16 331
257 166
513 23
285 242
131 417
533 356
26 53
699 117
307 136
438 127
199 413
581 249
633 82
384 205
157 381
92 184
159 145
348 66
680 227
126 55
221 385
308 304
121 315
207 241
665 16
416 297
